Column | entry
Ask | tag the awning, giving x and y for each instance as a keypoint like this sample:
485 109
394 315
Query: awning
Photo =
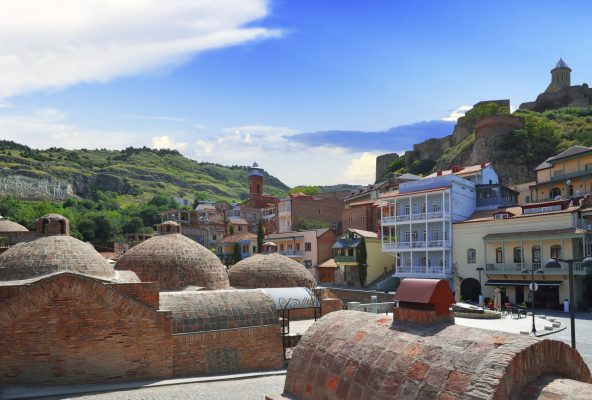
518 282
270 244
330 263
292 298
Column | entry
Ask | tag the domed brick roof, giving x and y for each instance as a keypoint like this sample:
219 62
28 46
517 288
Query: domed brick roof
175 261
269 271
51 254
9 226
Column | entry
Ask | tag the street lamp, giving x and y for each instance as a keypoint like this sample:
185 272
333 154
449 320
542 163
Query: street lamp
480 269
533 289
586 263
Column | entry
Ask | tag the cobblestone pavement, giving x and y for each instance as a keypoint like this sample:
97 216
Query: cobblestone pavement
242 389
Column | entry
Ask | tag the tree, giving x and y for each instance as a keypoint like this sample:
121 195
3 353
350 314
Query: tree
362 258
236 254
135 224
310 190
260 236
86 227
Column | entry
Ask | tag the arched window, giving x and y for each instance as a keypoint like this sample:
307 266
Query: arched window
517 254
471 256
408 262
556 251
426 262
499 255
555 192
536 255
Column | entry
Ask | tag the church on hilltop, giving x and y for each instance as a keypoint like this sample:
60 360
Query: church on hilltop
560 93
560 77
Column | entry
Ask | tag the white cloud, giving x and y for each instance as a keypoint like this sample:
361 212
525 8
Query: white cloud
49 128
164 118
456 114
5 104
53 44
166 142
361 169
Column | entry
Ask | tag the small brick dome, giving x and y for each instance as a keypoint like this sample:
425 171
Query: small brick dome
51 254
269 271
175 261
9 226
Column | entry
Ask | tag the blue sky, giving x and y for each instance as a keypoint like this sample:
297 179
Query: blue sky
232 81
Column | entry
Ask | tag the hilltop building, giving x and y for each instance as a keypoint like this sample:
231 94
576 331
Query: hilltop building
560 77
205 224
299 210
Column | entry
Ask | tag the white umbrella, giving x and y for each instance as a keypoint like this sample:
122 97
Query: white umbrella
457 294
497 302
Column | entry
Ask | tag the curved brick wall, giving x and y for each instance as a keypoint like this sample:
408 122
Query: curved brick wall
175 262
355 355
222 309
52 254
269 271
68 328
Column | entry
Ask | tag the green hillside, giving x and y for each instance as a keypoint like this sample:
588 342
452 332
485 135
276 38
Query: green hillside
108 192
519 152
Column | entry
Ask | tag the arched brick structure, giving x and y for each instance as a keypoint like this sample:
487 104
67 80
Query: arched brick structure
69 328
269 271
223 331
356 355
175 261
56 253
53 224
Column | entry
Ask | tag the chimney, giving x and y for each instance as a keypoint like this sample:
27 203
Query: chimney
483 165
456 169
423 301
439 173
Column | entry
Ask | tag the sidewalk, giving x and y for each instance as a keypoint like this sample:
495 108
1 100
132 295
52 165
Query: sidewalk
28 391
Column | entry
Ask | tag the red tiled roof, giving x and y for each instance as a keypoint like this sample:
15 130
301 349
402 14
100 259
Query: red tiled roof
516 212
237 237
440 188
464 171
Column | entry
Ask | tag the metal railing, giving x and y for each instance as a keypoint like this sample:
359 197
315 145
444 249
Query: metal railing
374 308
429 244
516 268
393 219
423 270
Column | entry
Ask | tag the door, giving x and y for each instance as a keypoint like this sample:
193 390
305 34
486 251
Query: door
519 294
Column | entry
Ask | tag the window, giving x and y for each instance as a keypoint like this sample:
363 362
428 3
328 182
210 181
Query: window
254 249
536 254
441 262
555 192
362 218
415 236
214 237
426 262
415 208
517 254
245 248
423 208
436 234
501 216
556 251
320 210
407 236
424 236
408 262
240 228
281 247
471 256
436 206
308 246
499 255
406 209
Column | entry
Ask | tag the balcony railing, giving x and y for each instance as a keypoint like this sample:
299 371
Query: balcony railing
345 259
517 268
291 253
395 246
422 270
394 219
563 176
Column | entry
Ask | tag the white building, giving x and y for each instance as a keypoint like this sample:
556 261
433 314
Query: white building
417 223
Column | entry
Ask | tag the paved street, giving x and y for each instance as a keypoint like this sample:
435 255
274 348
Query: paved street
583 333
243 389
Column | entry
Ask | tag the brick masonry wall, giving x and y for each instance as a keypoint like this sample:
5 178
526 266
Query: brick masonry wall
145 292
357 355
228 351
361 296
72 329
331 210
325 246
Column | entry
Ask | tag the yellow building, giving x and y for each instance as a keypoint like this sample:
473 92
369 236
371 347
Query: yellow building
566 175
345 251
492 248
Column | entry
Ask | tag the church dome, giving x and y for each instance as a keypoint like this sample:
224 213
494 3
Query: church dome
175 261
269 271
9 226
49 254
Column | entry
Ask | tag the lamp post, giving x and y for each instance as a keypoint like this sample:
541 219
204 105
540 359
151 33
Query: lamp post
586 263
533 289
480 269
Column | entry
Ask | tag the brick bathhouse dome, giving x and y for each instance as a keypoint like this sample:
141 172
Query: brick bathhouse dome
174 261
269 271
51 254
9 226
